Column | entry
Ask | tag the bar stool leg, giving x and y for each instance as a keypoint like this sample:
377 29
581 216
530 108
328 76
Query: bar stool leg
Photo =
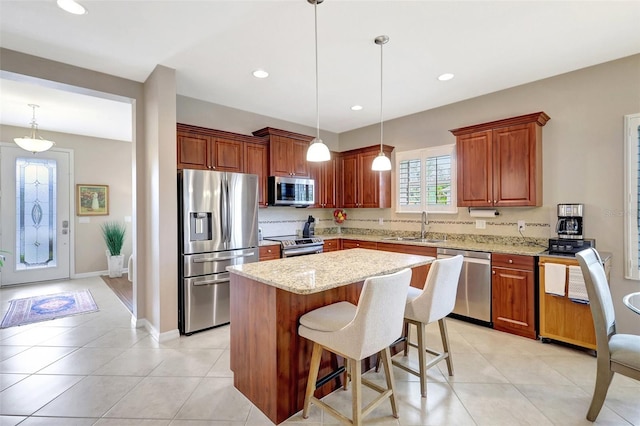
445 344
391 384
316 356
422 351
347 374
356 389
406 335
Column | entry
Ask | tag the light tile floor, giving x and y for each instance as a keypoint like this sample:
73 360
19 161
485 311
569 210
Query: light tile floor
96 369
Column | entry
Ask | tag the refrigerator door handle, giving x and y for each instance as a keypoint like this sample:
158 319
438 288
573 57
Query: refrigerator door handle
223 211
228 212
216 259
211 282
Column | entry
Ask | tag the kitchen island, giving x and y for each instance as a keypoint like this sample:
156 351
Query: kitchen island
269 360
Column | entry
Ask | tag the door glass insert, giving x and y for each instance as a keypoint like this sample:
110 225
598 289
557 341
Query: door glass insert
35 213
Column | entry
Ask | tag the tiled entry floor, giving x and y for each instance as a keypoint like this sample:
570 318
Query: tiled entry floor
97 369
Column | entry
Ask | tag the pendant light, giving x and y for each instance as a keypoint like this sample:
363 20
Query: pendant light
34 143
317 151
381 162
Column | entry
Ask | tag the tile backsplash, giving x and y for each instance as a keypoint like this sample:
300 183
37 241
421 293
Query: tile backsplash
539 222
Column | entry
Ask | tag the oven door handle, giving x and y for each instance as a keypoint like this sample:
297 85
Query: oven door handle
301 251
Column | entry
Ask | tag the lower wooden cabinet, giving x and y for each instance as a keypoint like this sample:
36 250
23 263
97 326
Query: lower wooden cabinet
269 252
349 244
513 294
332 245
562 319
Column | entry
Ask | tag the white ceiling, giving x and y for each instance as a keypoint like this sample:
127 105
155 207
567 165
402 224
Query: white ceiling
214 46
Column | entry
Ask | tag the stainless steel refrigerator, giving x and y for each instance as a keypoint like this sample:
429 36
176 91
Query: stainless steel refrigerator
219 228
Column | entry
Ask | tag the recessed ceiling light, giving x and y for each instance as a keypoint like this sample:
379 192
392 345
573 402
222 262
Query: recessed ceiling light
356 108
446 76
72 6
260 74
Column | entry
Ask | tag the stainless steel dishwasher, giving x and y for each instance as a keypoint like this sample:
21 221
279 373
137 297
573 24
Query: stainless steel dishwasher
473 300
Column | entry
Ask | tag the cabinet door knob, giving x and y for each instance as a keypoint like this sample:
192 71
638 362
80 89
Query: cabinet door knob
510 260
489 201
493 272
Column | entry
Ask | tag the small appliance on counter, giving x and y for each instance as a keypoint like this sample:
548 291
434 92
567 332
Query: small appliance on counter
309 228
565 247
570 222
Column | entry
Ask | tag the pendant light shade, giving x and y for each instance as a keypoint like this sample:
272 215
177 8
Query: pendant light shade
317 151
34 143
381 162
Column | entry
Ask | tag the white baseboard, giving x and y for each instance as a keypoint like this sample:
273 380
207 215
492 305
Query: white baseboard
159 337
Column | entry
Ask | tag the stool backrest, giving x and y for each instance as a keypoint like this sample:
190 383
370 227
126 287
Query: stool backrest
595 280
439 294
380 313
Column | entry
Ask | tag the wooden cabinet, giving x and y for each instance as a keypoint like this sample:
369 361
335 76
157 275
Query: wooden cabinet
269 252
287 152
324 174
256 161
359 186
513 294
349 244
332 245
562 319
210 149
500 163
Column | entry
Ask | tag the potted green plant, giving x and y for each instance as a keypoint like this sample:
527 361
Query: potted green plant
114 234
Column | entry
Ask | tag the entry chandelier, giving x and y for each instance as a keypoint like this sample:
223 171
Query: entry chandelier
381 162
317 151
34 143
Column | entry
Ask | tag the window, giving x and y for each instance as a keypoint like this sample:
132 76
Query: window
632 197
426 180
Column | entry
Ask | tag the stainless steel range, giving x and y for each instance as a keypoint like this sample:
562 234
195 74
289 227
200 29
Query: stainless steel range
291 245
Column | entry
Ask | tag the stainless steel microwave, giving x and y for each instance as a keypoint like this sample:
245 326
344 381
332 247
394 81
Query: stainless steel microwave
290 191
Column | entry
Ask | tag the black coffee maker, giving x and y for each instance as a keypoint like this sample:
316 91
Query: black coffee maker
309 228
570 225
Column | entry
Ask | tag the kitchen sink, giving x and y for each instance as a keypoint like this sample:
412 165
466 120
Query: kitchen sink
401 238
426 240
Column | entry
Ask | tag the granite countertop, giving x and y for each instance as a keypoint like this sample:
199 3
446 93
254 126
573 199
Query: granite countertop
527 250
318 272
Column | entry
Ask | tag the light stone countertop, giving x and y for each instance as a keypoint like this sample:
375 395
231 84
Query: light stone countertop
526 250
318 272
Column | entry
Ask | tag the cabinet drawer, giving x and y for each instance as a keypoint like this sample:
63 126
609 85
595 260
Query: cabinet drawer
349 244
331 245
513 261
269 252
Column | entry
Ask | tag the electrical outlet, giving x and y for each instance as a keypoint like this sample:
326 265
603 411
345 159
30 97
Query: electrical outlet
481 224
380 221
521 225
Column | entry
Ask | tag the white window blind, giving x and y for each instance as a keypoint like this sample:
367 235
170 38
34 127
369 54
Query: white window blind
426 180
632 197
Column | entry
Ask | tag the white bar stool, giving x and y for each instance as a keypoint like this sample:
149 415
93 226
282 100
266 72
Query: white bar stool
433 303
355 333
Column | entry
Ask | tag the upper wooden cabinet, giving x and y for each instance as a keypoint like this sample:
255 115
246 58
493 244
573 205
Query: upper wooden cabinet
324 174
256 161
287 152
500 163
358 185
209 149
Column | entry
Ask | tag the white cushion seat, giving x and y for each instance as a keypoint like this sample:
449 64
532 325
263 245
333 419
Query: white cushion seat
433 303
355 333
625 350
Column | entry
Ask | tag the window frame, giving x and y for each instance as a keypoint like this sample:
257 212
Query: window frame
423 154
631 194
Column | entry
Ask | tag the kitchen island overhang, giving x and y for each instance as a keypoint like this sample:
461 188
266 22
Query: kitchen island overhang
269 360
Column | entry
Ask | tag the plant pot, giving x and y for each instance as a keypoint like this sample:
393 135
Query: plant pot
115 265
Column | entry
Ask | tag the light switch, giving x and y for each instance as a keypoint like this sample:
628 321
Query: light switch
481 224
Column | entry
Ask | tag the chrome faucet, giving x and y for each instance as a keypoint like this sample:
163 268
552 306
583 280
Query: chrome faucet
424 221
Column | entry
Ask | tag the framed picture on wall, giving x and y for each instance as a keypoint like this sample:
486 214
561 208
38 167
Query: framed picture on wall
92 200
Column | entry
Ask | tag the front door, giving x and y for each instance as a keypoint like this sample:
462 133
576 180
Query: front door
34 208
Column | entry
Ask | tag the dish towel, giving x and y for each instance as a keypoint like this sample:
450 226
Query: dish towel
554 278
577 289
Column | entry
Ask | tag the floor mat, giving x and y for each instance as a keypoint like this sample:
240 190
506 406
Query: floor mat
48 307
